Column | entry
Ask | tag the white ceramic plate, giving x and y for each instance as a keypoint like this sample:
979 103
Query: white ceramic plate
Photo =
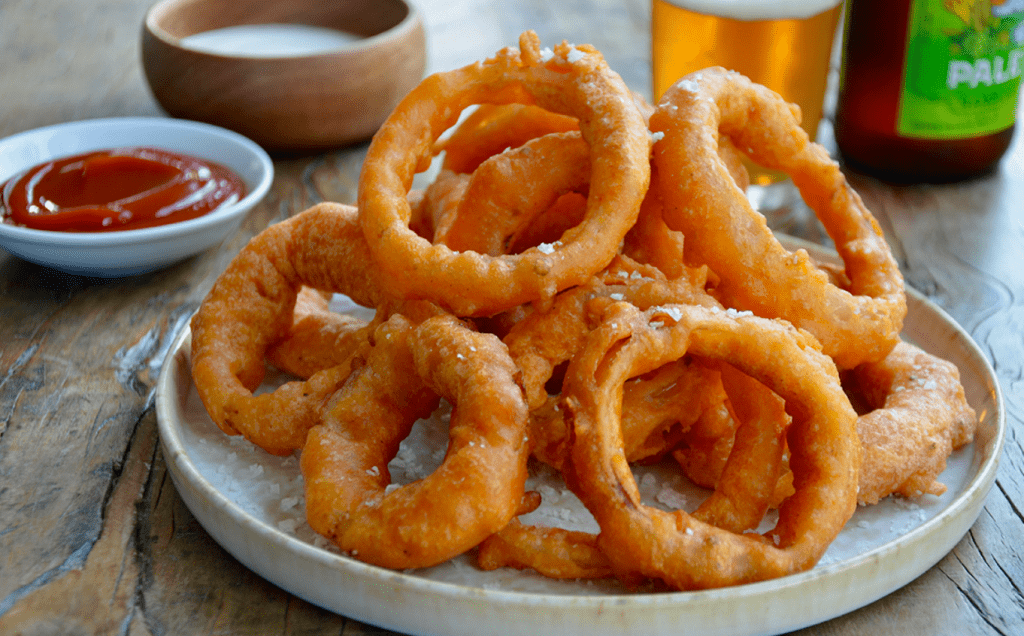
250 502
110 254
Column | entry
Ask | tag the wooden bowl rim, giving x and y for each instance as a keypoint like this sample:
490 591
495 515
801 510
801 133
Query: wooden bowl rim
402 30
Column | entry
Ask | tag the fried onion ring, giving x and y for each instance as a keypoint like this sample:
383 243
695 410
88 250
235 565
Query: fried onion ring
542 341
468 283
251 307
492 214
700 198
919 416
675 547
344 462
746 487
318 338
493 128
556 553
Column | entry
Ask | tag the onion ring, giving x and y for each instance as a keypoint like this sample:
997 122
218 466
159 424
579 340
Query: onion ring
440 203
919 416
344 462
656 410
251 307
470 284
675 547
318 338
520 198
491 213
746 487
493 128
855 325
542 341
556 553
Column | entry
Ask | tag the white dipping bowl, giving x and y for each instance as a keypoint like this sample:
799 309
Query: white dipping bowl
129 252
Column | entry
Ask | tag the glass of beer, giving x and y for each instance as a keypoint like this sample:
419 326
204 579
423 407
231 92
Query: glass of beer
785 45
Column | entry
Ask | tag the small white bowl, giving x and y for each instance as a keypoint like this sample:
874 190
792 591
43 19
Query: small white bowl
128 252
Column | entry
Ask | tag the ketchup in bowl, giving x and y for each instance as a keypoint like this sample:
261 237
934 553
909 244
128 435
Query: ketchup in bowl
117 189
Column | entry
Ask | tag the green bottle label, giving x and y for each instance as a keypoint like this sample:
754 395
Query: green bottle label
963 67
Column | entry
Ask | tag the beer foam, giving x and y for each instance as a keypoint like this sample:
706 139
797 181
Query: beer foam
757 9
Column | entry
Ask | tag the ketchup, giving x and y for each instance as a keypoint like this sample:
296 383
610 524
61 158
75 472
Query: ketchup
117 189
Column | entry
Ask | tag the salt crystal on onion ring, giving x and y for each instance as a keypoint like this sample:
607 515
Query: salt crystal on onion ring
855 325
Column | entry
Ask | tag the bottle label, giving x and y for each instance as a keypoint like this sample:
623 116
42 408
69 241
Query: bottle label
963 67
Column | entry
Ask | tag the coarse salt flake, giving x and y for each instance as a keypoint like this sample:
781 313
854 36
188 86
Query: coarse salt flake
575 55
689 85
671 498
674 313
735 313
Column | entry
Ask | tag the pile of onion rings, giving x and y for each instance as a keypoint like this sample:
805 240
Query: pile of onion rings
585 283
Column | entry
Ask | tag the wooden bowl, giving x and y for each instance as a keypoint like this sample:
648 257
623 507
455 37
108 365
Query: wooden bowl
327 95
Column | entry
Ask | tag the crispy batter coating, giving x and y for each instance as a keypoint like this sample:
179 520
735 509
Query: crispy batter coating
251 307
860 323
675 547
918 416
574 81
344 462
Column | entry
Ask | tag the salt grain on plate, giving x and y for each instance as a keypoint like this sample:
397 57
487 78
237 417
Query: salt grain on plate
671 498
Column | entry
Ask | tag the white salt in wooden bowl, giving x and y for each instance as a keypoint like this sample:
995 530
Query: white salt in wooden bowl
293 75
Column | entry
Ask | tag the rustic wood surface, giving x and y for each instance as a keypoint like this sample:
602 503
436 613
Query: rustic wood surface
93 537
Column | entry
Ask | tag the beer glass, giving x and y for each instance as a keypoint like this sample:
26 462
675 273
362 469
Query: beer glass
785 45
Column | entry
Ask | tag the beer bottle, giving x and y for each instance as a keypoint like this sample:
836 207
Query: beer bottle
928 88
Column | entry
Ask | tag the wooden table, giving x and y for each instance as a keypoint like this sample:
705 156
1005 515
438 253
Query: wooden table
93 536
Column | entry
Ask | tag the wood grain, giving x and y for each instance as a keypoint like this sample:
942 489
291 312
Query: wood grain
93 536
